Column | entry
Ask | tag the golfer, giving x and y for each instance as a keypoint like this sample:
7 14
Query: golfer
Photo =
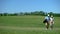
46 21
51 22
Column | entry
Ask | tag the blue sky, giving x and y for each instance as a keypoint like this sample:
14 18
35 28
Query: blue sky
16 6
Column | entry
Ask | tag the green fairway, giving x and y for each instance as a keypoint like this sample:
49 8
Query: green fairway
22 21
26 25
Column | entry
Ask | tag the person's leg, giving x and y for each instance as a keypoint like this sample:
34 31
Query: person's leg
51 26
47 25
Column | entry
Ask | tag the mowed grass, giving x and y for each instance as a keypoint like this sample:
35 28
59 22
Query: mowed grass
22 21
26 21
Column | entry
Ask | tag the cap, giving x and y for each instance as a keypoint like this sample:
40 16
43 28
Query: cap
51 15
48 14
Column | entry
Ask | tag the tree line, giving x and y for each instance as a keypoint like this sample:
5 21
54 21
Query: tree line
41 13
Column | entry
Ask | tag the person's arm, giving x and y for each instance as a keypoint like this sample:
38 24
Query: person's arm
53 20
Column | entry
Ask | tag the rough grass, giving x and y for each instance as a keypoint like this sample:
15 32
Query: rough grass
8 31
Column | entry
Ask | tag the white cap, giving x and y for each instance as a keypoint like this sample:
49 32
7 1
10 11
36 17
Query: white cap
51 15
48 14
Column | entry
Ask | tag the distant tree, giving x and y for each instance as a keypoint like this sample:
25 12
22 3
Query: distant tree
21 13
57 14
26 13
1 14
15 14
42 13
35 13
5 14
38 13
51 13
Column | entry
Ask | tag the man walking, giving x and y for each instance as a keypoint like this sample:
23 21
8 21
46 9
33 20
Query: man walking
46 21
51 22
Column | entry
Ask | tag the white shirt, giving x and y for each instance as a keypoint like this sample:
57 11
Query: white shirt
51 19
48 18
